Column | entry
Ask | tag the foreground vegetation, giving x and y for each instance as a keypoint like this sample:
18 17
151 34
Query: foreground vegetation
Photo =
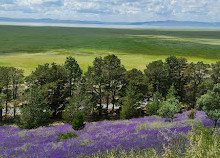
150 136
26 47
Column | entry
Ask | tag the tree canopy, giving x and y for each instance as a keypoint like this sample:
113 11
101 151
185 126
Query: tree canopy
210 103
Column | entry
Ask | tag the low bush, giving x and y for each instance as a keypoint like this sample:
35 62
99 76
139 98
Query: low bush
153 105
64 136
33 117
192 114
169 108
68 113
210 104
78 121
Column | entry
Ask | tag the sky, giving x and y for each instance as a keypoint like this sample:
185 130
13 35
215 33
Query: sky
113 10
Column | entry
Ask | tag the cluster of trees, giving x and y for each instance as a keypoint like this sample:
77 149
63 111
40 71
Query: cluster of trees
10 80
63 90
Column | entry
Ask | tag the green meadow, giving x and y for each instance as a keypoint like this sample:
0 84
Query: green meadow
26 47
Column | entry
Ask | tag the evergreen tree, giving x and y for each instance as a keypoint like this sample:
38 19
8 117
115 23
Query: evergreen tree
172 93
137 79
81 100
95 75
130 103
36 112
5 85
2 99
78 121
52 81
1 92
176 67
215 73
74 72
195 75
153 105
16 79
157 73
113 75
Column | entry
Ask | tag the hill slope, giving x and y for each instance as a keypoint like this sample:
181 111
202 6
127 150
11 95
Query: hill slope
142 133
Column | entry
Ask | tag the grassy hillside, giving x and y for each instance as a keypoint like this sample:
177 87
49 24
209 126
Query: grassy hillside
26 47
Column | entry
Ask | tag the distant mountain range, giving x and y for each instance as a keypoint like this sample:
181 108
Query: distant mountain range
149 23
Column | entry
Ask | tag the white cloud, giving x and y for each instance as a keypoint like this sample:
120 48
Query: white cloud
32 2
113 10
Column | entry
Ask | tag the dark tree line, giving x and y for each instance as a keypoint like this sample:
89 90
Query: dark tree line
65 89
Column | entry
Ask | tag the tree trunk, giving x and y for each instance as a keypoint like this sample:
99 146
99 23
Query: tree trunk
14 109
6 106
0 113
194 96
15 88
100 100
6 102
107 102
54 114
113 102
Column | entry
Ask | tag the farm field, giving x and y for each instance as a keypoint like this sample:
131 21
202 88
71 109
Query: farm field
97 138
26 47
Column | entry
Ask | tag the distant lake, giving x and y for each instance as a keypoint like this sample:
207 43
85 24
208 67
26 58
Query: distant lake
105 25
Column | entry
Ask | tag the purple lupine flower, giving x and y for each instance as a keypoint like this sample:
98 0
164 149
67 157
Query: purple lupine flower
138 133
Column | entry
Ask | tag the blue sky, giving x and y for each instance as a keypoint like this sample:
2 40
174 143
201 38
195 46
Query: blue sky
113 10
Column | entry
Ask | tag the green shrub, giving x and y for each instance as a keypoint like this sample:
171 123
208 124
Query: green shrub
36 113
153 105
63 136
192 114
210 103
129 103
68 113
78 121
128 111
152 108
17 120
33 117
169 108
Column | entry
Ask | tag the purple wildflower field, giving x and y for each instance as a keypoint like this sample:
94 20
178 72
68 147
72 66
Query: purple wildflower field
140 133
